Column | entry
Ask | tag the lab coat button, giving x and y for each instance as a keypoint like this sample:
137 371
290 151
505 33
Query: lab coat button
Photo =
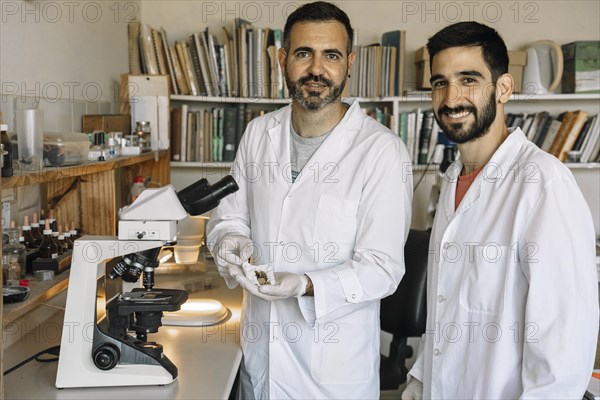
354 295
436 352
441 299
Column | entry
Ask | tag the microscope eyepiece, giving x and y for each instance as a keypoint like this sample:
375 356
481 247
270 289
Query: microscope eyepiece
201 197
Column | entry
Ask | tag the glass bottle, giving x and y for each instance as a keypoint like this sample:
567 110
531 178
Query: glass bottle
42 222
36 232
11 252
75 234
59 247
68 241
113 149
7 164
28 239
61 242
48 248
52 221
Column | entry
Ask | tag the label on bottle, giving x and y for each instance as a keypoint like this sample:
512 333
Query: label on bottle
54 255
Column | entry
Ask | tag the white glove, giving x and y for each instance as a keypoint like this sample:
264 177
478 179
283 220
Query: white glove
247 284
414 390
229 254
288 285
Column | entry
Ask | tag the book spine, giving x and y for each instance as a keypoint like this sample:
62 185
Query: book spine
229 133
176 134
425 136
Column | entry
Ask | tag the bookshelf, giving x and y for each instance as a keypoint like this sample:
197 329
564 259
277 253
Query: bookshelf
521 102
586 174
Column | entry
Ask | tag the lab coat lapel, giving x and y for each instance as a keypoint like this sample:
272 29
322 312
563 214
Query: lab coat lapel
280 139
447 197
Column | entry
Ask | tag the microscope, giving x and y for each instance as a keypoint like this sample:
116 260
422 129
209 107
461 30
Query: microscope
115 350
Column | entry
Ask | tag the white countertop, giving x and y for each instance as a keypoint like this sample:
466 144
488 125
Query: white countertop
207 359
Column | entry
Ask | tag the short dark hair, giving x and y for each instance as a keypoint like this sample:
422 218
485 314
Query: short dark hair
472 34
319 11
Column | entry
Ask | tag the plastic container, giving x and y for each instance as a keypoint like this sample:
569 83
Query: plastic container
186 252
136 188
30 136
62 149
190 237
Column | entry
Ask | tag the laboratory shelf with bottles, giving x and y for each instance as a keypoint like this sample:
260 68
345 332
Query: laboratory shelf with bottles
89 195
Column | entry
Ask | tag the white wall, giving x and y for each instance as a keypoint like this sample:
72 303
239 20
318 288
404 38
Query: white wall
66 54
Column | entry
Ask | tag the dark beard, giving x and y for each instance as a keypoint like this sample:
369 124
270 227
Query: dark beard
483 120
313 101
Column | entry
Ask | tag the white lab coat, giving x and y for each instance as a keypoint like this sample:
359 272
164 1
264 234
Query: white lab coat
512 302
343 222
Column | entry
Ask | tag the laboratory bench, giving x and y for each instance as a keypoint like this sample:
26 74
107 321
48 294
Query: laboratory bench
207 358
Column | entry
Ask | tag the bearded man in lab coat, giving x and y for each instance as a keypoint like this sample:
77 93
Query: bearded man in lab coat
512 302
325 200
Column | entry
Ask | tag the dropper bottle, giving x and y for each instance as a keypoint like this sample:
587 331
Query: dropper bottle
36 232
74 234
48 248
62 240
28 239
67 236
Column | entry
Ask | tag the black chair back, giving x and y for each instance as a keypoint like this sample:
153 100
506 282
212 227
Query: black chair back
404 312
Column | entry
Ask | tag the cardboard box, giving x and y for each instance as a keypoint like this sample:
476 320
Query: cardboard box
107 123
581 72
517 61
516 66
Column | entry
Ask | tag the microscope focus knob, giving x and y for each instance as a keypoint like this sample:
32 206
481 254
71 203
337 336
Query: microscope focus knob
106 357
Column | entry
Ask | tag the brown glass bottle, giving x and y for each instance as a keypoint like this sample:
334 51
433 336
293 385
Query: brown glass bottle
59 245
75 233
68 240
36 231
48 248
28 239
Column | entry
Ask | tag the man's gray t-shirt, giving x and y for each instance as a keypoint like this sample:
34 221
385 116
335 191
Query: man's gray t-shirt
302 149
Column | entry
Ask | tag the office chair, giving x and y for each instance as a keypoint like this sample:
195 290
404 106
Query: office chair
404 312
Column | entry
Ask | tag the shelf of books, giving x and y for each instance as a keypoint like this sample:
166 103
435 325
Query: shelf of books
217 88
215 125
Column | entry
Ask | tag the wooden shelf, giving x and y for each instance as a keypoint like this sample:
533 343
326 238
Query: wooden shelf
24 178
40 292
214 99
425 96
193 164
413 97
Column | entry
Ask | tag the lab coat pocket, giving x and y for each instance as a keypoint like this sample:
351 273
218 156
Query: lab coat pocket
483 285
343 350
335 220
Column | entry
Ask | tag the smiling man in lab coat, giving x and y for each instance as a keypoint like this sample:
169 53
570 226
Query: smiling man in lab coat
512 298
325 200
